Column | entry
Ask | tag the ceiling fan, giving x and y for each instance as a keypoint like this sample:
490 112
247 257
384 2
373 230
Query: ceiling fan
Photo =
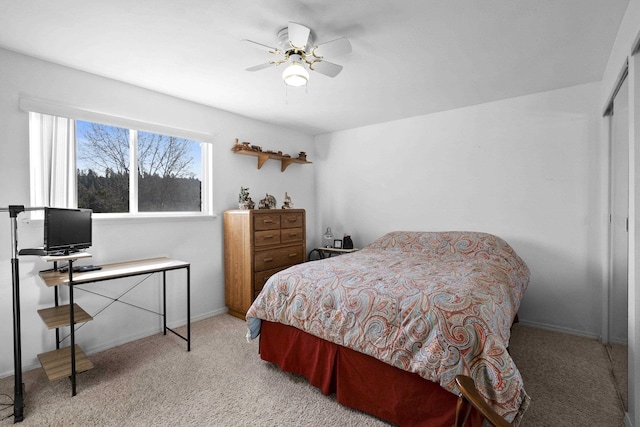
296 49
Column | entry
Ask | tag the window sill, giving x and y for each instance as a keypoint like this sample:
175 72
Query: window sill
147 217
152 217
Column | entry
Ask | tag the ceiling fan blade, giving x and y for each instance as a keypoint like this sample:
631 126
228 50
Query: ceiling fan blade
261 66
298 35
333 48
260 46
327 68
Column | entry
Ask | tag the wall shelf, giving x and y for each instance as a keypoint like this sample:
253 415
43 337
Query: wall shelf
263 156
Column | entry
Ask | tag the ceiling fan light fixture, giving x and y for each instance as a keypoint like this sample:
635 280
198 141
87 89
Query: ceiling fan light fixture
295 75
298 54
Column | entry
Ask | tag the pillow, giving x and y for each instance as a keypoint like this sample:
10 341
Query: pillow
445 243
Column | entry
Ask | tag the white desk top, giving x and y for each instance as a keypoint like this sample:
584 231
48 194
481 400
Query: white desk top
114 271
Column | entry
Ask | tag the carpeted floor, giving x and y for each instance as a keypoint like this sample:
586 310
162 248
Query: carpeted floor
569 379
223 382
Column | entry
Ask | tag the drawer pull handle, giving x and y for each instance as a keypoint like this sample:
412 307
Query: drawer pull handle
292 220
268 221
270 236
268 259
293 255
293 234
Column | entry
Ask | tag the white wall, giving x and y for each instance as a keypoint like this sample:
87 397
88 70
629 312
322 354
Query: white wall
198 241
527 169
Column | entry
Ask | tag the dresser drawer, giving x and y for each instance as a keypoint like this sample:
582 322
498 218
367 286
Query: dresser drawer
291 235
261 278
280 257
266 237
266 222
291 220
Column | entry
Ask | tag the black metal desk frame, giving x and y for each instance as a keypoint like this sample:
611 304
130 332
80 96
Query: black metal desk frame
18 387
144 269
18 400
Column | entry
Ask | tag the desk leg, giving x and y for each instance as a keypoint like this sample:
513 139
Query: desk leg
189 308
18 389
164 302
72 325
57 303
164 307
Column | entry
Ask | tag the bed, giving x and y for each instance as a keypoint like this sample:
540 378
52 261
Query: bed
389 327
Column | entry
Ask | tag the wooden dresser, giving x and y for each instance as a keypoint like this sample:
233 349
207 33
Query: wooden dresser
257 244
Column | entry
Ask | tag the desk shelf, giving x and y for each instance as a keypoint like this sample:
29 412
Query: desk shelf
62 362
56 317
57 363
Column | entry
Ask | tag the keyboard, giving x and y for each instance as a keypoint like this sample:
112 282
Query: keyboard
33 251
80 268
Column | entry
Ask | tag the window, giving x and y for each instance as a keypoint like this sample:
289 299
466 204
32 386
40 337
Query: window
116 170
168 169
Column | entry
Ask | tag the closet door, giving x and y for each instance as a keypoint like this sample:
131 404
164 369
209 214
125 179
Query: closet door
619 132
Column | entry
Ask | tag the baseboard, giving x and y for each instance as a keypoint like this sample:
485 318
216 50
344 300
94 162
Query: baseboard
128 338
151 331
559 329
620 341
570 331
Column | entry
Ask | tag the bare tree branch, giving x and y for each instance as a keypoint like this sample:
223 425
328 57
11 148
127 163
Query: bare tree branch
107 148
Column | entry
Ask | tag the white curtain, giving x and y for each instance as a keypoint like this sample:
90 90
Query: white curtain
52 143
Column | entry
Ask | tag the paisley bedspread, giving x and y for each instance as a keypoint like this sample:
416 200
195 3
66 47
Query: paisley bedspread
434 303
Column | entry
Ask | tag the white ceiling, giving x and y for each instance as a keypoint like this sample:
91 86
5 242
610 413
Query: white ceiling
409 57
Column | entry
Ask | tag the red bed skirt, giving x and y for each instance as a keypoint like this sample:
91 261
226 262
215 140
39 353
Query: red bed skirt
360 381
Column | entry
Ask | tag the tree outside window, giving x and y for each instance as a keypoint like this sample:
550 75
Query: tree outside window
168 168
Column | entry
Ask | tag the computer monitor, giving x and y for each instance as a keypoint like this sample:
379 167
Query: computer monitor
66 230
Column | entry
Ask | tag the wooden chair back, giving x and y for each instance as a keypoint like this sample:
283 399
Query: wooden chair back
469 397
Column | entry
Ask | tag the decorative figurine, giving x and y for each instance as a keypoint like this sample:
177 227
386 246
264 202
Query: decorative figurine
244 201
269 202
288 204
